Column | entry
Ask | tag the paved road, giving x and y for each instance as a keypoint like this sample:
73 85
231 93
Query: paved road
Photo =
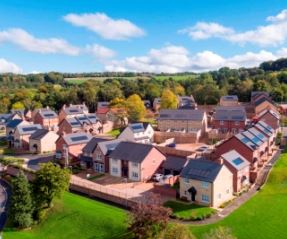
34 162
5 192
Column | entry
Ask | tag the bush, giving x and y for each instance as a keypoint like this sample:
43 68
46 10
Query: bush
23 220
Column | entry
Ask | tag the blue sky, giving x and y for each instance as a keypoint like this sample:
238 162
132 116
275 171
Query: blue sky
155 36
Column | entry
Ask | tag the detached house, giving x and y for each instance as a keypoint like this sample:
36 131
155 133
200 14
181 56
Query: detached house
22 135
205 182
137 162
43 141
138 132
227 119
239 167
229 100
72 111
47 118
69 146
96 154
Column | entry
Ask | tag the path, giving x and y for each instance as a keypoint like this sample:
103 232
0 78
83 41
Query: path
5 192
237 202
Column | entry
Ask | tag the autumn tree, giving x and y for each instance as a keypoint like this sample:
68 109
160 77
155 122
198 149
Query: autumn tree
148 218
18 106
168 100
135 108
21 206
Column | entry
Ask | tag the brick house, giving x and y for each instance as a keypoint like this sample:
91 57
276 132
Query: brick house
229 100
83 123
271 118
72 111
205 182
22 135
137 162
251 144
43 141
263 103
174 165
138 132
186 102
98 152
69 146
47 118
239 167
229 119
269 132
181 120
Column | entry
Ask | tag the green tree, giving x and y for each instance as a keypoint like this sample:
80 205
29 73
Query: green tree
51 181
21 201
219 233
168 100
4 104
18 106
135 108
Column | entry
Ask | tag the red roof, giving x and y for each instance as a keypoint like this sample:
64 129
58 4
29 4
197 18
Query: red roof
103 110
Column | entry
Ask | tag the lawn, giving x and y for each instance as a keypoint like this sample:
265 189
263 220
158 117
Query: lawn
264 215
115 132
77 217
187 211
175 77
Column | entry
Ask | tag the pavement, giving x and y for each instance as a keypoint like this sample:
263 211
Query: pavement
5 192
34 163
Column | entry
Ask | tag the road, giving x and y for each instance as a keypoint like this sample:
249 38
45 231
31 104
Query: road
34 163
5 192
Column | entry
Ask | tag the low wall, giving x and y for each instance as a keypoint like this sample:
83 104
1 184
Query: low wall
180 138
174 151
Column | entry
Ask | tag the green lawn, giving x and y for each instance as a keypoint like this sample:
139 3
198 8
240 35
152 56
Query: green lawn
187 211
264 215
77 217
115 132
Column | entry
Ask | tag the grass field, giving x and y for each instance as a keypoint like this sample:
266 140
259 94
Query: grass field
77 217
175 77
264 215
187 211
80 80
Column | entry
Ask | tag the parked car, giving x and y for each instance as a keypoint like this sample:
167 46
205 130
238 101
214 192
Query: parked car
157 177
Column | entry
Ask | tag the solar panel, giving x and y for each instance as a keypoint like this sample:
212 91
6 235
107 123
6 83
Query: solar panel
74 123
237 161
27 129
245 140
79 138
74 110
92 116
49 115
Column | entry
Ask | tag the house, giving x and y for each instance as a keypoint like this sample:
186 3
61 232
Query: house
72 111
137 162
269 132
103 105
239 166
12 124
96 154
205 182
147 104
256 95
251 144
83 123
186 102
229 119
262 102
271 118
156 104
6 118
43 141
22 135
181 120
69 146
174 165
24 114
229 100
47 118
138 132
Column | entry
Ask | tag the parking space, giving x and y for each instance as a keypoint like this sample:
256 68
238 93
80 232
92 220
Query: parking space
190 147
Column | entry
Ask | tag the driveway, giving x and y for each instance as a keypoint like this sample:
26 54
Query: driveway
34 162
5 192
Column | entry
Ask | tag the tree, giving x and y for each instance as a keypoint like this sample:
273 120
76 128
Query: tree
148 217
219 233
176 231
135 108
168 100
50 182
21 201
4 104
18 106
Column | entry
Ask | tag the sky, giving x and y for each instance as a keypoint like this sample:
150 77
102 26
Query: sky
140 36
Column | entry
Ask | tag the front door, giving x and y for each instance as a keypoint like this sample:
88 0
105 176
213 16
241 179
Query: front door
99 167
125 168
192 191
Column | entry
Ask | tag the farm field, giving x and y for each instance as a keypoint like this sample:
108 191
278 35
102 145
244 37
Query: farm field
77 217
262 217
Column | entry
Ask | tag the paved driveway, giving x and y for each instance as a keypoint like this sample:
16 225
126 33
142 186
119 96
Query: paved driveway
34 162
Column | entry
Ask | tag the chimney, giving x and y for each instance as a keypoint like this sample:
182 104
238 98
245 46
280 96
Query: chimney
220 160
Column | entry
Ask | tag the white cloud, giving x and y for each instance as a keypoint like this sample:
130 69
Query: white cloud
274 33
106 27
172 59
204 30
28 42
100 52
9 67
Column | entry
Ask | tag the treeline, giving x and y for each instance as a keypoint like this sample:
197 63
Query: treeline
50 89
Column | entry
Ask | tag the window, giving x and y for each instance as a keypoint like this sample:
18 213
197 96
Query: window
135 164
204 184
204 198
99 157
115 170
135 175
227 191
